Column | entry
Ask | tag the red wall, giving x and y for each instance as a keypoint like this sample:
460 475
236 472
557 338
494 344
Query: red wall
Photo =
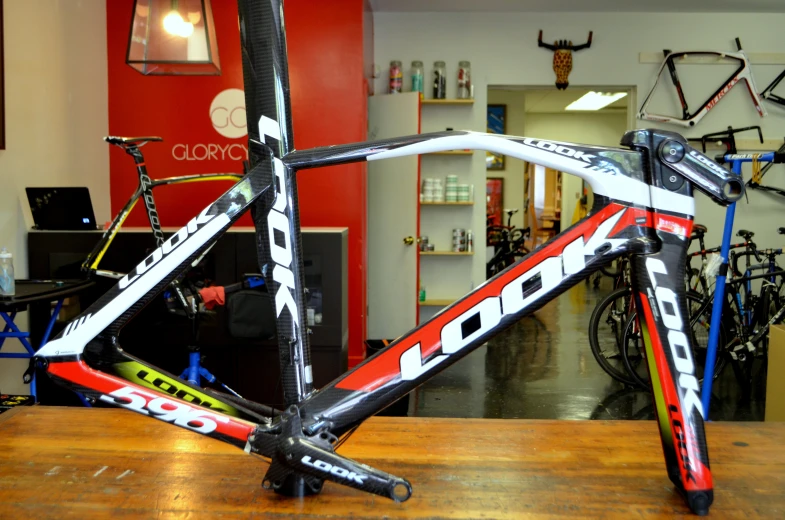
326 45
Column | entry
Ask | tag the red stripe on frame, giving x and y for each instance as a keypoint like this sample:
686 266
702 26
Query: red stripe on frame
633 217
385 366
677 225
670 394
79 373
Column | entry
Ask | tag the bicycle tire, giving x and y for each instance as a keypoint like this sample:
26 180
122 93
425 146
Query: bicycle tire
607 354
636 364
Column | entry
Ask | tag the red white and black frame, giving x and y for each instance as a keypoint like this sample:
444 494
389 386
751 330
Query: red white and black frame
643 208
688 119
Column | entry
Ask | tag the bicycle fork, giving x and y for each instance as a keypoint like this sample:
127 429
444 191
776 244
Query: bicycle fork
660 297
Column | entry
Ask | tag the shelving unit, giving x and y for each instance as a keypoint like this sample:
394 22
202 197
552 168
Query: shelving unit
469 203
441 270
447 101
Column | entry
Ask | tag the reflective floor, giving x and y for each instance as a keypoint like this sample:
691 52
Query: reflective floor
543 368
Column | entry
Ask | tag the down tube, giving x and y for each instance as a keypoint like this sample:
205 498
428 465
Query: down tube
519 290
660 295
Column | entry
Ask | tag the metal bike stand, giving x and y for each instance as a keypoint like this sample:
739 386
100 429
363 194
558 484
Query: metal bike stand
735 160
34 292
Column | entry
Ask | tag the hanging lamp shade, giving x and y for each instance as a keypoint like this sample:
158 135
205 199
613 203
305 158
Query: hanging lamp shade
173 37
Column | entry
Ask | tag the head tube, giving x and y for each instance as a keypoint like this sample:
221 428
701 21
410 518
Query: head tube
669 153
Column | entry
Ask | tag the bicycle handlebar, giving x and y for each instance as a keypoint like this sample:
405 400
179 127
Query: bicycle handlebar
745 279
770 157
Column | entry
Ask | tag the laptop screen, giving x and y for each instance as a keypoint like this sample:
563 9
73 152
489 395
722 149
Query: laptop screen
64 209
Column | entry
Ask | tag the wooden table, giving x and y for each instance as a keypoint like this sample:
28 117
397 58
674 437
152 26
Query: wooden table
106 463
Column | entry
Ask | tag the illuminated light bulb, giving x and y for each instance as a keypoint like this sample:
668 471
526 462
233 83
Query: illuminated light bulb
172 23
194 17
185 30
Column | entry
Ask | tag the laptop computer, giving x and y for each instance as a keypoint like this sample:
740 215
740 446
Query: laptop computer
61 209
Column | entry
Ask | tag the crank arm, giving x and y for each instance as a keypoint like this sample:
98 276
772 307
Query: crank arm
300 464
302 457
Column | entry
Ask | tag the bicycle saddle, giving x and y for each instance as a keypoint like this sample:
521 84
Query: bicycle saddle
699 229
511 211
747 235
123 141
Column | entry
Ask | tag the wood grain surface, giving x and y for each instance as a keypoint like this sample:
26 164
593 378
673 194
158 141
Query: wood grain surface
105 463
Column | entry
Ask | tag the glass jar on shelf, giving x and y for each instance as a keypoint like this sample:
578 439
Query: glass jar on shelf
396 77
465 90
439 80
417 78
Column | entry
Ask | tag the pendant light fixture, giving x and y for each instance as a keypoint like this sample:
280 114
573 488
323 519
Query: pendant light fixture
173 37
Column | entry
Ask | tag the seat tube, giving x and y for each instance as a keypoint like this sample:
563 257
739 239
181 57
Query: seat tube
284 275
146 192
276 215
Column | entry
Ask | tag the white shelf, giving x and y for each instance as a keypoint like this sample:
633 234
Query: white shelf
447 101
756 58
436 302
446 253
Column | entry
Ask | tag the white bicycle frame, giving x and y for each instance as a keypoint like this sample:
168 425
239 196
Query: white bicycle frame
743 73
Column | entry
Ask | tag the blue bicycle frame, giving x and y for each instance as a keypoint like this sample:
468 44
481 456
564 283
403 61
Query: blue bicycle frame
735 160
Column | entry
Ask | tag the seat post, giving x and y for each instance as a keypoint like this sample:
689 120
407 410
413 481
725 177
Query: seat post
145 190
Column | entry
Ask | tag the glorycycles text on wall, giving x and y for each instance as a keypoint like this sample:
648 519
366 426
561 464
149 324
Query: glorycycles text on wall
227 115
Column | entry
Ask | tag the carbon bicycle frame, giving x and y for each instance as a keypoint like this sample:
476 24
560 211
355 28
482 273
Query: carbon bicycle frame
643 207
768 92
688 119
145 190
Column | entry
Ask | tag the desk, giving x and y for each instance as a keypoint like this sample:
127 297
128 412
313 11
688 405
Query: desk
107 463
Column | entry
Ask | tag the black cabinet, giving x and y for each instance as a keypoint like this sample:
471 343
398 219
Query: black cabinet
249 366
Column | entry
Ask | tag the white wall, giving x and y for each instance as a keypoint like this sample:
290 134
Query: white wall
513 168
600 128
56 106
502 48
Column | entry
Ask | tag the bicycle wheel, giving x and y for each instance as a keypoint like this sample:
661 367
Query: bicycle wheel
606 329
634 353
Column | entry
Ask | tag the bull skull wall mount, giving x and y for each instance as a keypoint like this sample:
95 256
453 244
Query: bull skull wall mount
562 58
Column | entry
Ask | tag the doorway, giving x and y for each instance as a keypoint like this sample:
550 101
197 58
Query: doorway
548 199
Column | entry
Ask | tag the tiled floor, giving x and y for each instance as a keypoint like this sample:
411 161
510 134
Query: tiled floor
543 368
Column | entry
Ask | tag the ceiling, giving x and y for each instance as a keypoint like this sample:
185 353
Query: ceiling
552 100
545 6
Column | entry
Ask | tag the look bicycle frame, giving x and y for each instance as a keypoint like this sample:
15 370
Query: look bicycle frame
643 207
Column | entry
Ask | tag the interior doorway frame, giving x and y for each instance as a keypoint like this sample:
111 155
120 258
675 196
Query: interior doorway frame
631 90
631 115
